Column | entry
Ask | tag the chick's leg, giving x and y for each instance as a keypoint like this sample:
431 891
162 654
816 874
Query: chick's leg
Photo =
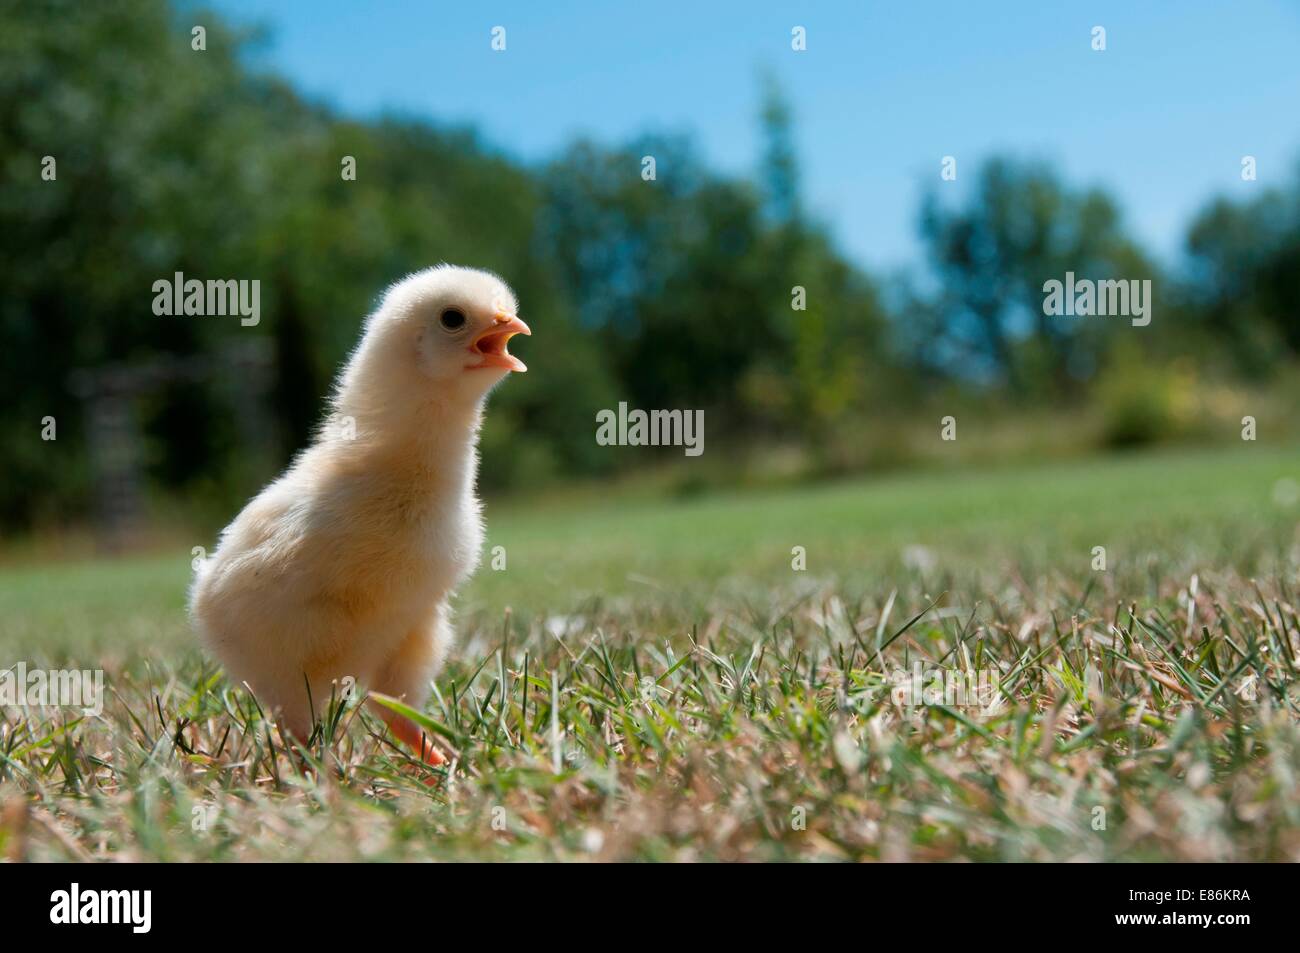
406 675
411 735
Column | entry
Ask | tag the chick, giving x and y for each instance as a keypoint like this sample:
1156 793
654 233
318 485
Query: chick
344 565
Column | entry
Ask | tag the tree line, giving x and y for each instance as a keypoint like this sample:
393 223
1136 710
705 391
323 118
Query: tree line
127 158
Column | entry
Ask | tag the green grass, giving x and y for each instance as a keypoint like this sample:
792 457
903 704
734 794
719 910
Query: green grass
712 702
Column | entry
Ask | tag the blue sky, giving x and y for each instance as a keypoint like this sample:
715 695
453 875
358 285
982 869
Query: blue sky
883 92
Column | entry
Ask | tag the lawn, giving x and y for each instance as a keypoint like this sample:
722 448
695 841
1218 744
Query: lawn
656 679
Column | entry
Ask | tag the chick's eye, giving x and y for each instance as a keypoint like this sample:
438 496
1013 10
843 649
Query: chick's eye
452 320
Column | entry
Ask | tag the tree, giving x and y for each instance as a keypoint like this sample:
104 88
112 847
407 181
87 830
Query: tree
1244 282
989 259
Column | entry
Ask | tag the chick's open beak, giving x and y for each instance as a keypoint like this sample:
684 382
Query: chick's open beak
491 344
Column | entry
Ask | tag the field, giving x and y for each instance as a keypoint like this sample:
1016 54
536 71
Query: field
717 678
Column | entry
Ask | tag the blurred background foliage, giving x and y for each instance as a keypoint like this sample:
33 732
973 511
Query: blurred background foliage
667 293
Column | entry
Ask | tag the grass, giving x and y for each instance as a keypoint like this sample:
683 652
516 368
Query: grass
653 680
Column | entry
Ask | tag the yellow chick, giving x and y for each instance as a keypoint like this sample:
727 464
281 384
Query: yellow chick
345 564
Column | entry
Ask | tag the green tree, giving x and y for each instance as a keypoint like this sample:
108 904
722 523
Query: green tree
990 258
1244 281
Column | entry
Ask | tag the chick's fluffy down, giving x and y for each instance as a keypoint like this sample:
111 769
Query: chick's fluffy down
344 565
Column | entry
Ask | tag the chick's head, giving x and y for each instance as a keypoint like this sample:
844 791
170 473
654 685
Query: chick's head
454 324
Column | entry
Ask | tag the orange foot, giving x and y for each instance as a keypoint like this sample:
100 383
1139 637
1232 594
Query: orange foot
411 735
